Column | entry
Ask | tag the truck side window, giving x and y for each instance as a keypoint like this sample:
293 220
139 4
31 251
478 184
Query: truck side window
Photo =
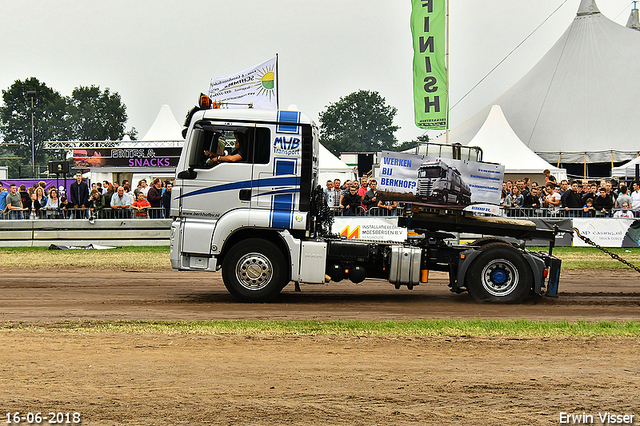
262 147
213 141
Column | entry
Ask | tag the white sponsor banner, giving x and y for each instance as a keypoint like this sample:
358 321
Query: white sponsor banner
608 232
255 85
369 228
443 181
486 209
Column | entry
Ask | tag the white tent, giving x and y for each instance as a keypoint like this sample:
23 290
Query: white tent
331 167
580 102
165 127
500 144
627 170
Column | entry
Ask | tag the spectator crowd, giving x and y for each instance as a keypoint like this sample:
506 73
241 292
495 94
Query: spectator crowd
357 198
603 198
100 200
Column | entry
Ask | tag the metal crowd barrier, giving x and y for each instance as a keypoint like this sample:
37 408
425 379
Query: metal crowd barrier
361 211
106 213
558 212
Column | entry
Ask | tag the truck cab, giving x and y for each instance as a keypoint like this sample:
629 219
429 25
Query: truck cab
266 191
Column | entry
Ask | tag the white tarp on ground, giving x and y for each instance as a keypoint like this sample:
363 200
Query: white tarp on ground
500 144
627 170
331 167
578 101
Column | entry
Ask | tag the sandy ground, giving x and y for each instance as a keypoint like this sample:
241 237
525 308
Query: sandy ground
136 379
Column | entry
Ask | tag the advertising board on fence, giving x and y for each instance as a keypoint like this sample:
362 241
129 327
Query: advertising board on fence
438 181
126 157
608 232
369 228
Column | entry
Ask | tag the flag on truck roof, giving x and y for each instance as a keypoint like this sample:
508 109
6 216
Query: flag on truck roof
256 85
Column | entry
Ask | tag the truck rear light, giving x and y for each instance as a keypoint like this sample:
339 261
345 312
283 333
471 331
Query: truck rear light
545 273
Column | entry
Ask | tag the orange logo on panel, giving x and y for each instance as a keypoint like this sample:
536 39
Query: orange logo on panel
352 235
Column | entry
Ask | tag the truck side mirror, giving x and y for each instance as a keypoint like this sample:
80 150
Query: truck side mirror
187 174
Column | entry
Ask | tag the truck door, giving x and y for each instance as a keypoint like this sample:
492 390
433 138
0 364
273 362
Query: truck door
278 180
218 187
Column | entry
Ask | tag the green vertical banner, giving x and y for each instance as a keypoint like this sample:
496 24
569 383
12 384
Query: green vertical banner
428 20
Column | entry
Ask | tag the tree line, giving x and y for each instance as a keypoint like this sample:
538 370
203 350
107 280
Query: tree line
90 113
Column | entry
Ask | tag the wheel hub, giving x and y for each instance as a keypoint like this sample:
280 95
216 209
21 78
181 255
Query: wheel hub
500 277
254 271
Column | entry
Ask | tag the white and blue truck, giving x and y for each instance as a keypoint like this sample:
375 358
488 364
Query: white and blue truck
262 220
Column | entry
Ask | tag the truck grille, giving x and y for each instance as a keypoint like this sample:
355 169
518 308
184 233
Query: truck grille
425 187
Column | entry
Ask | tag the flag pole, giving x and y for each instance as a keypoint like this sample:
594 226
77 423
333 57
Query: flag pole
446 65
277 85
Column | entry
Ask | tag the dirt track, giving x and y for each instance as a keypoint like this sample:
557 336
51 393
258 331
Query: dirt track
132 379
80 294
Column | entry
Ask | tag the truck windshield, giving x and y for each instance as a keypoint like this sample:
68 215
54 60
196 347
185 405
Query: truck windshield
429 172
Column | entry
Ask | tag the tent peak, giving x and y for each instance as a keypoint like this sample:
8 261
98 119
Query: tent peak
165 127
588 7
633 21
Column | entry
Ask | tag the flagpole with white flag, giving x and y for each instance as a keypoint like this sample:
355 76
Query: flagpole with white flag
254 87
277 88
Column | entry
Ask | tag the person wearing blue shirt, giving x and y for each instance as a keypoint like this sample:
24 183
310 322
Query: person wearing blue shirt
3 200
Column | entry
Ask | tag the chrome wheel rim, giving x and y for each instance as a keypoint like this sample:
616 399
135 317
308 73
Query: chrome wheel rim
500 277
254 271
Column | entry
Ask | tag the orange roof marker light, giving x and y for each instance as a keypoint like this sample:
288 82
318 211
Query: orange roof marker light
205 102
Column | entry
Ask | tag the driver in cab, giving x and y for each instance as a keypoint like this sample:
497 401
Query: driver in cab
235 156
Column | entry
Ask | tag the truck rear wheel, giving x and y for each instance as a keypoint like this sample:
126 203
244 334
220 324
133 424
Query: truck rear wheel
500 275
254 270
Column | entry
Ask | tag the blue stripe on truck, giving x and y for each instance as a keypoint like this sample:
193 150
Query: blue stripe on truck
288 117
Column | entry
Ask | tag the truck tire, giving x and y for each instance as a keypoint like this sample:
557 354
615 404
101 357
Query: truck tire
254 270
499 275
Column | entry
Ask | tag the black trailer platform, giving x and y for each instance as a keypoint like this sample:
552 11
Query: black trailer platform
457 221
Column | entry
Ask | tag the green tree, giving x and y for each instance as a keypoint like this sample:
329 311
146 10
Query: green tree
411 144
96 115
88 114
360 121
49 121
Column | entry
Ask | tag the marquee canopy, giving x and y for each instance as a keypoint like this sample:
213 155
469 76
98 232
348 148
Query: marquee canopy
580 102
500 144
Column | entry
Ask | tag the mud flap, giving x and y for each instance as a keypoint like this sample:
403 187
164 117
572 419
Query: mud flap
554 277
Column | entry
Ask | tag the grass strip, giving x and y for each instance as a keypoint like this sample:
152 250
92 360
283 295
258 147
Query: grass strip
127 258
155 258
445 327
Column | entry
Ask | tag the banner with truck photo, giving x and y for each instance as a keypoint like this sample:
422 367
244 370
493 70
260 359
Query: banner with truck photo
438 181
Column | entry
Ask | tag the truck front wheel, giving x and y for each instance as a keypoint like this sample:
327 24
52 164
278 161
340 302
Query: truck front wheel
499 274
254 270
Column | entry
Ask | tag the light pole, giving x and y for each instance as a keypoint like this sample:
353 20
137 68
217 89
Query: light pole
31 94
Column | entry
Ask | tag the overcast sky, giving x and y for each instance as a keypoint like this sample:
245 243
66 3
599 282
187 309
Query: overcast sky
165 51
